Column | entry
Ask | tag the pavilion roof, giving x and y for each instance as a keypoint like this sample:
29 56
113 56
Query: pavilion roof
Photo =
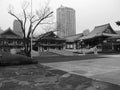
49 36
9 34
118 32
103 30
73 38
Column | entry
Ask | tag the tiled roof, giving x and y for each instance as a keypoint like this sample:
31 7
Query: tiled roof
73 37
1 30
9 34
118 32
100 30
49 35
116 37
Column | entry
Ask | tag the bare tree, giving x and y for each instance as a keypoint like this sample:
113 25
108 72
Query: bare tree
49 27
31 22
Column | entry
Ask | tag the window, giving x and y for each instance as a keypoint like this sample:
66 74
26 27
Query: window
10 42
18 42
71 46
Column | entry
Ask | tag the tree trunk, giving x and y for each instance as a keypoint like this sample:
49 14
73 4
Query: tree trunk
27 48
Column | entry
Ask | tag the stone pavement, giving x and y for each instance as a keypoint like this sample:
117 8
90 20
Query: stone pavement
38 77
103 69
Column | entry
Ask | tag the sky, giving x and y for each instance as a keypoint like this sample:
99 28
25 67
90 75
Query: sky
89 13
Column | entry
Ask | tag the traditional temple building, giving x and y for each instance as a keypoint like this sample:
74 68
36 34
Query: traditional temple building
104 37
10 40
48 41
99 37
72 41
115 41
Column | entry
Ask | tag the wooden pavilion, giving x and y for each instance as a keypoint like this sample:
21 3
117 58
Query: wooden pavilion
99 37
72 41
10 40
48 41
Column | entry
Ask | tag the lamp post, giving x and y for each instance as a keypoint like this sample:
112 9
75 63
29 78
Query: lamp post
31 30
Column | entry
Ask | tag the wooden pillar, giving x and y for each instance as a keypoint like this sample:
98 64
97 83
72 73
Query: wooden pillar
39 50
74 45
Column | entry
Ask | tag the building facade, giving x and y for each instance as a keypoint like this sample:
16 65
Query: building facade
48 41
104 37
17 28
72 42
66 21
10 40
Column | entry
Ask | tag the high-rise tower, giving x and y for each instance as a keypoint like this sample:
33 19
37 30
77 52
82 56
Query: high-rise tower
17 28
66 21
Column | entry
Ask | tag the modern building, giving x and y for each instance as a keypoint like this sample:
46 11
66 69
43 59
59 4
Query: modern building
17 28
66 21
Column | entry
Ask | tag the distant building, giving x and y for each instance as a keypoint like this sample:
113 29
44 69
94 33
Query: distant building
66 21
1 30
17 28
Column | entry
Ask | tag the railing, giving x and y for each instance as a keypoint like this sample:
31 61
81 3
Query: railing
51 44
62 52
2 45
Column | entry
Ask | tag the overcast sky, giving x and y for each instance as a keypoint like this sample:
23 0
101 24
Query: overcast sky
89 13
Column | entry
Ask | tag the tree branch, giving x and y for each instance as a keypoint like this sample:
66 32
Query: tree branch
41 21
14 16
29 30
25 17
21 23
35 20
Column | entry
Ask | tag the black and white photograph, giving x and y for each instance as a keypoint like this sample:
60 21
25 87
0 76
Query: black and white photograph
59 44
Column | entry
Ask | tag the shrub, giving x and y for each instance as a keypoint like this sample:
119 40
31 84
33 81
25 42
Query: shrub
14 59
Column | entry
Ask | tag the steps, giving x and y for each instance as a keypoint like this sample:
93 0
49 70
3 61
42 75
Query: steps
62 52
46 54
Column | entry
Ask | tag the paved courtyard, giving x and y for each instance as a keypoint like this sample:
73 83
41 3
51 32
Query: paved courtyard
38 77
103 69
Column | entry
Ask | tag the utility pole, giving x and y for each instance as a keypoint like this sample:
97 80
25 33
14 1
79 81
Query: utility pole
31 29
